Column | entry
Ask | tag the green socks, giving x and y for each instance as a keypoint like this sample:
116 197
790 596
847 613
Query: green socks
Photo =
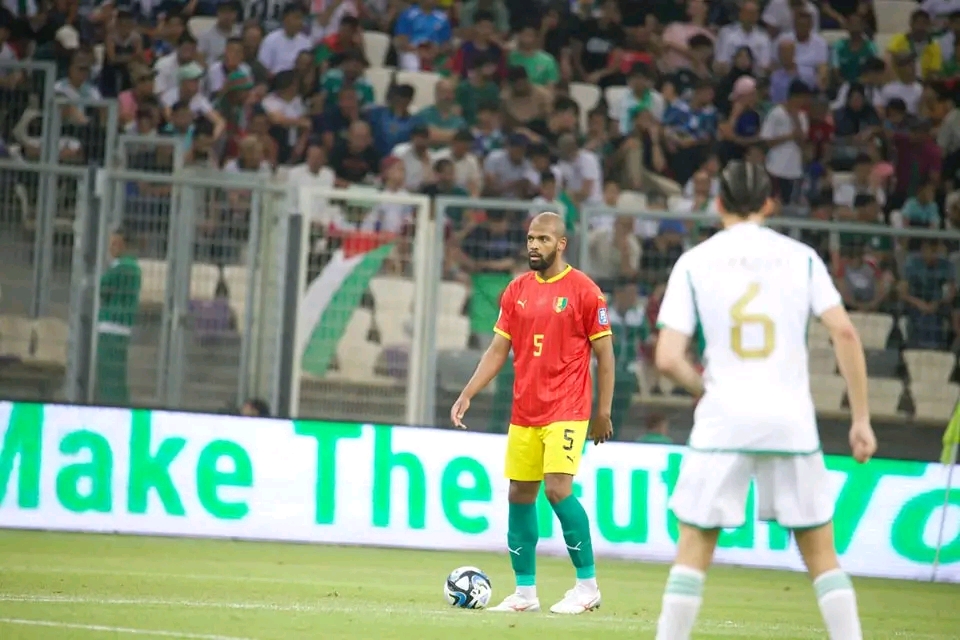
522 537
576 533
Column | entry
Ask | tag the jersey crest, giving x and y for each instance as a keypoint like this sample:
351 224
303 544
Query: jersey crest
559 304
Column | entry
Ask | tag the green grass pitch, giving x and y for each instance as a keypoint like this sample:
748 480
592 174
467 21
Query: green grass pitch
63 586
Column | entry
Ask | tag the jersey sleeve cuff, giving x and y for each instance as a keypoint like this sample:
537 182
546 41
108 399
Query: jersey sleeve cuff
501 332
602 334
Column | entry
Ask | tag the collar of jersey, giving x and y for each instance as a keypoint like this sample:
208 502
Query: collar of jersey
556 277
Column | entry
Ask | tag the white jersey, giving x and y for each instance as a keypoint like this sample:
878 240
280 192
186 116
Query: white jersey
752 292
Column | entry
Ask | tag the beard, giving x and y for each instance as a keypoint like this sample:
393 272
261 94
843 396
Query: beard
543 262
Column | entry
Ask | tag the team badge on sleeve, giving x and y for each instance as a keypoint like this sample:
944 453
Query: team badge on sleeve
602 318
559 304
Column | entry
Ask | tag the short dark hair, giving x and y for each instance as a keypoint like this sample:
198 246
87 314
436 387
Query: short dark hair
547 176
260 406
699 41
180 104
442 164
186 38
483 15
202 127
565 103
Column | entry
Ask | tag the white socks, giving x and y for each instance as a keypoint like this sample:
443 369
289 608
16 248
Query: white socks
838 605
681 603
588 584
530 593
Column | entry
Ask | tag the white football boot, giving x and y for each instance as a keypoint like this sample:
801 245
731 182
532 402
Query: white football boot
517 603
578 600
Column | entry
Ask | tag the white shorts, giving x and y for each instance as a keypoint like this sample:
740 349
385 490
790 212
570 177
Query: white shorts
792 490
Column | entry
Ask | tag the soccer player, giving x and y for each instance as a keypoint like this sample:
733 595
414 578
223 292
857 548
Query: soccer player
554 319
751 291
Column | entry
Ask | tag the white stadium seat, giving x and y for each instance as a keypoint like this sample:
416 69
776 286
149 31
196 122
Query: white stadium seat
615 96
822 361
893 16
199 25
16 334
358 327
52 337
394 328
453 295
874 328
379 79
452 332
833 35
357 360
375 47
586 96
236 278
392 296
817 335
203 281
153 281
423 83
827 391
929 369
884 395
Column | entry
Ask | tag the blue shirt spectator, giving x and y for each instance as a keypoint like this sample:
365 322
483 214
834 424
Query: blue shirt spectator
922 210
696 119
423 22
393 123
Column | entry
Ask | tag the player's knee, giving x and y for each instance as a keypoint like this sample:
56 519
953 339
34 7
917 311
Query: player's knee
523 492
557 487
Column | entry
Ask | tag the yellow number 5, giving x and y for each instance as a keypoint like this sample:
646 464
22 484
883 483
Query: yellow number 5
740 317
537 344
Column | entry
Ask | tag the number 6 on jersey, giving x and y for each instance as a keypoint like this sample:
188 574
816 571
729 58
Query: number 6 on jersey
740 317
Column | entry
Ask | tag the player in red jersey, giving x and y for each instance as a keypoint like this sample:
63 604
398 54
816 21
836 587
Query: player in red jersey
555 320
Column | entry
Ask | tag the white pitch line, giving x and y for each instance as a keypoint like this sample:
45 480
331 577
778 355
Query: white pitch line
123 630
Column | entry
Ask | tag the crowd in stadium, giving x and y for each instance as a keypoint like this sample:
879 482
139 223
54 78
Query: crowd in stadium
849 129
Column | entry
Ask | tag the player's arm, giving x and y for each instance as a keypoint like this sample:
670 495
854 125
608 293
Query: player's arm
826 303
676 322
603 350
596 325
491 362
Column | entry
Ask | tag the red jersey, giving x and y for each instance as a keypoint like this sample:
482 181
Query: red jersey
550 324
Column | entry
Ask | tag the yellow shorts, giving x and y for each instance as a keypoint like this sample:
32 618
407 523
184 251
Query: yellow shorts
534 451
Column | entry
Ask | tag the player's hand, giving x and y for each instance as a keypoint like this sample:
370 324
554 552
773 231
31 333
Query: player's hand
601 428
863 442
458 410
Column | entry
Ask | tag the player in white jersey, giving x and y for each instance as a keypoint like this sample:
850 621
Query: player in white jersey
752 292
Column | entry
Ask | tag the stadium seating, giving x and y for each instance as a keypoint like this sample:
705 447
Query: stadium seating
828 391
874 328
893 16
423 83
453 296
359 326
884 396
51 344
586 96
198 25
931 390
392 296
203 281
380 80
615 96
452 332
153 282
357 360
236 278
375 47
817 335
822 360
16 336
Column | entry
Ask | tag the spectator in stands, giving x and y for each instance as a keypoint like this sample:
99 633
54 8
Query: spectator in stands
863 285
334 122
785 132
213 43
480 86
744 33
124 46
917 158
594 43
481 47
119 304
660 253
467 171
508 172
580 172
313 172
862 184
614 253
928 289
541 67
129 101
348 75
280 48
442 118
345 37
168 67
918 42
289 122
742 128
393 123
857 127
230 61
487 133
255 408
787 71
904 86
658 430
445 184
201 154
921 210
390 217
810 50
850 55
252 40
641 97
683 42
690 129
355 159
524 104
418 164
472 10
422 24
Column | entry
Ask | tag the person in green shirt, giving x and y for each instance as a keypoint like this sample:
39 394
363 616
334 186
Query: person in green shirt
658 429
629 325
348 74
442 118
119 303
849 55
480 88
541 67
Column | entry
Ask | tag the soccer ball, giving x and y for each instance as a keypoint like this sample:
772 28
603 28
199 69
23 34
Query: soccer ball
468 588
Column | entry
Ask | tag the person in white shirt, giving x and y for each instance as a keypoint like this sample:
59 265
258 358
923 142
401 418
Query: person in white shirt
231 61
905 86
417 160
169 65
188 90
468 175
285 109
811 52
580 171
213 42
745 33
785 132
314 173
746 295
390 217
779 15
280 49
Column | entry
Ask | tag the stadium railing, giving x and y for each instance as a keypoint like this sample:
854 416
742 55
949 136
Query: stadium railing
912 365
